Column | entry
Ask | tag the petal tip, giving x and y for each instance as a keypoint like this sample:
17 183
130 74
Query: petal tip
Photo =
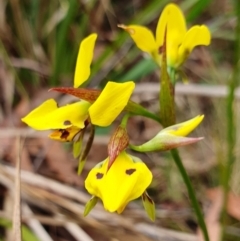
200 117
131 31
207 34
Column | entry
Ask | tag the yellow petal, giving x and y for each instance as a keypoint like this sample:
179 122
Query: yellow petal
44 109
49 116
184 128
65 134
84 60
173 18
126 180
195 36
143 37
110 103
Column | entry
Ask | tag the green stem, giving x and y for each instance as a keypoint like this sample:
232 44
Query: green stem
191 193
136 148
231 130
136 109
125 120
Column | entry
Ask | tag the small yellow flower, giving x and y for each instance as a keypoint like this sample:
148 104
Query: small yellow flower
180 41
68 120
126 180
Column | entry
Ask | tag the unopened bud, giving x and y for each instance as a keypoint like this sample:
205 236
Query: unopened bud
118 142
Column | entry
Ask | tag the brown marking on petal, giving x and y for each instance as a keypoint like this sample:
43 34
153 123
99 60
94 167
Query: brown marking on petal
99 175
67 122
160 50
130 171
64 134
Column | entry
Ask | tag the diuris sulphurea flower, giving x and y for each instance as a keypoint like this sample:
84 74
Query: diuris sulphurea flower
126 180
180 41
69 120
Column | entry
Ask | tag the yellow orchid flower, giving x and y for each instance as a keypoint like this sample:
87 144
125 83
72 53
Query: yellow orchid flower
126 180
180 41
72 117
68 120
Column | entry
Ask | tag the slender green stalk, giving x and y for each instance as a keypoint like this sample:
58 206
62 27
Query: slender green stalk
231 126
191 193
136 109
125 120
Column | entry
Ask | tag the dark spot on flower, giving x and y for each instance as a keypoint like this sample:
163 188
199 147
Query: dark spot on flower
160 50
64 134
99 175
130 171
67 123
